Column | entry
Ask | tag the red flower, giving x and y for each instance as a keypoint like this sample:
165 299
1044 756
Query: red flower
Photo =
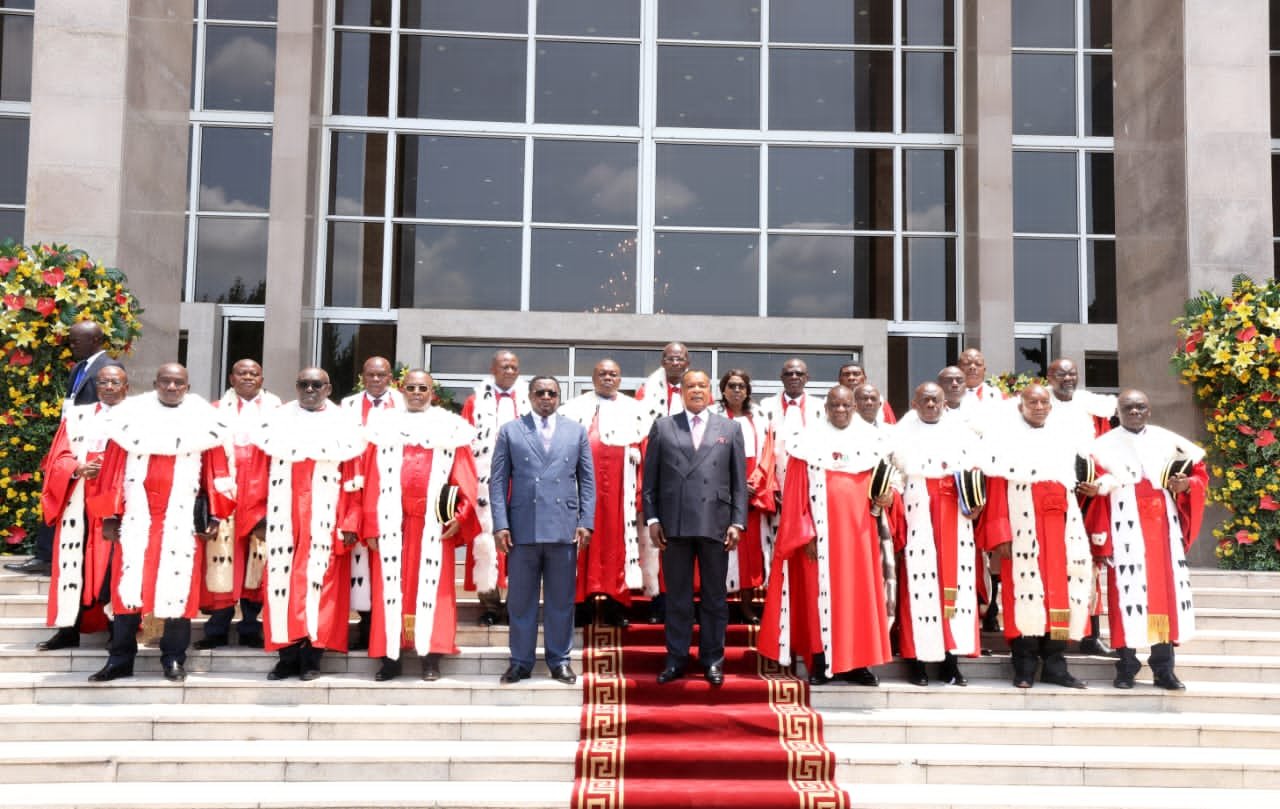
1265 439
16 534
19 357
14 302
1267 504
7 265
46 306
53 277
1245 428
22 478
1193 341
1266 395
122 299
1242 536
1245 335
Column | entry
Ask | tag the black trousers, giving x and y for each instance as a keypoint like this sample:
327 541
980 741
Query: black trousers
123 647
677 570
1028 652
301 656
1160 661
44 543
219 623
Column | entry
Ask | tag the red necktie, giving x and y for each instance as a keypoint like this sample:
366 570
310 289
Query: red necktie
672 390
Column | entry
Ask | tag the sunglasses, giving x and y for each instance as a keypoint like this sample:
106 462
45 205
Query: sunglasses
310 384
545 394
795 373
416 388
736 386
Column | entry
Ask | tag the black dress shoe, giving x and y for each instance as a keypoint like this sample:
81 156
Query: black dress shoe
862 676
1022 682
1095 646
1123 681
513 674
111 672
1169 682
669 674
1066 681
563 673
253 641
308 675
917 674
389 670
488 619
431 668
32 567
951 676
64 638
174 672
991 622
818 678
211 642
283 671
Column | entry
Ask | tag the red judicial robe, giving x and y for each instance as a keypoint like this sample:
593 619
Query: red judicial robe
937 577
834 605
311 462
251 495
1031 503
81 555
747 562
409 460
157 459
1146 530
487 409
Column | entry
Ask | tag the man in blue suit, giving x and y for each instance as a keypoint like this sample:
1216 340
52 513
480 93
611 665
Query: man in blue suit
695 502
543 495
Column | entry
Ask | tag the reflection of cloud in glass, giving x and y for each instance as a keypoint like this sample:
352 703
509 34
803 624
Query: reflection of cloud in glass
433 275
231 258
214 198
674 196
811 276
610 188
243 70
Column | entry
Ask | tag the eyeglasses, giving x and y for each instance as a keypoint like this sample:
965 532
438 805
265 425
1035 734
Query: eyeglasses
736 386
795 373
545 394
416 388
310 384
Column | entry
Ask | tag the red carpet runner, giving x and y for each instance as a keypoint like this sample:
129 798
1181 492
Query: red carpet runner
752 744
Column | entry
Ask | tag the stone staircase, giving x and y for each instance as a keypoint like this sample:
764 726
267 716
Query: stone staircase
229 738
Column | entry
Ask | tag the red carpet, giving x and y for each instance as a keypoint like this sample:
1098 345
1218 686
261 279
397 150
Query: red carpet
754 743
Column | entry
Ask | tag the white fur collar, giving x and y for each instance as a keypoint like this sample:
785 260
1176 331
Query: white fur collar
1129 457
1025 454
932 450
432 428
292 434
856 448
142 425
623 421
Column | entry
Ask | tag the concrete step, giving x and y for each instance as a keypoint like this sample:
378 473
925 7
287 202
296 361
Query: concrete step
1058 766
1240 579
426 722
1239 618
149 687
1237 598
271 760
1242 642
1026 796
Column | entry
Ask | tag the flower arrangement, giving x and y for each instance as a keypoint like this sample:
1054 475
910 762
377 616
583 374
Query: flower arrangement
1229 353
46 288
1011 383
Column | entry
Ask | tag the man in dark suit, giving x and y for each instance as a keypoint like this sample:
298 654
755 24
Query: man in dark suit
695 501
543 496
86 341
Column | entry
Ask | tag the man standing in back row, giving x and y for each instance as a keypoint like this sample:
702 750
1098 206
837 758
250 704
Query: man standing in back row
695 502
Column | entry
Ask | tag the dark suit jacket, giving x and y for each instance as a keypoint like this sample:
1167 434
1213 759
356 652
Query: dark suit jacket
87 391
695 493
538 494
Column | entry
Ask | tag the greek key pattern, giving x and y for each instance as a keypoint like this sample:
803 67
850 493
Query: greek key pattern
810 765
604 716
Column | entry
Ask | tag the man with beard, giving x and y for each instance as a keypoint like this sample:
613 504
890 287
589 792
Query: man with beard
81 554
164 449
830 605
413 456
235 558
1150 503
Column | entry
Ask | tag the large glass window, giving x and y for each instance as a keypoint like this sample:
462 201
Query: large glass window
1063 169
233 91
16 30
723 157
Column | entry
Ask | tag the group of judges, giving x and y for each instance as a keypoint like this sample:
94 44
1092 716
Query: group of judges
844 532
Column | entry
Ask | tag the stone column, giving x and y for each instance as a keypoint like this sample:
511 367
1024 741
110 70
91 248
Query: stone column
295 163
107 167
988 181
1192 174
1193 179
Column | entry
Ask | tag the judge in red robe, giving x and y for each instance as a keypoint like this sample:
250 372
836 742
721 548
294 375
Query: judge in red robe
234 560
937 575
165 448
309 452
747 561
412 457
826 599
1032 524
616 426
81 554
1143 521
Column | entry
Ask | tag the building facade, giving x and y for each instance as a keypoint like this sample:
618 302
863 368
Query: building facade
884 180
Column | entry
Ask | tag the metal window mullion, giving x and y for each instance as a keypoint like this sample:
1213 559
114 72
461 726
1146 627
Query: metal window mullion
899 69
388 227
899 223
1082 259
1079 54
764 65
193 201
526 227
762 257
197 76
321 271
393 66
646 241
531 62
